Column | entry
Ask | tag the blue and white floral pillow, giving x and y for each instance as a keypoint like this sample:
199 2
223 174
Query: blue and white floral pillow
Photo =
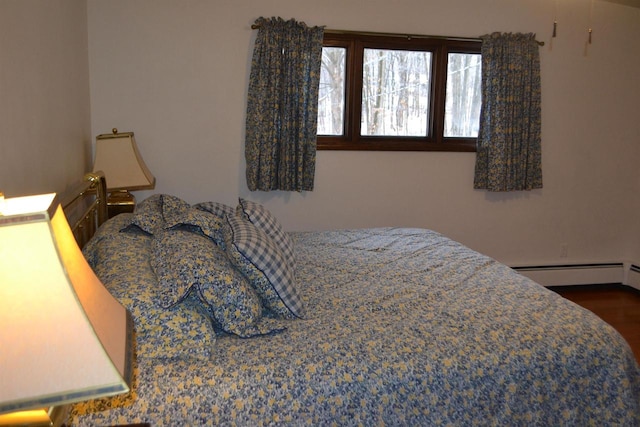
161 212
121 261
187 262
178 215
148 215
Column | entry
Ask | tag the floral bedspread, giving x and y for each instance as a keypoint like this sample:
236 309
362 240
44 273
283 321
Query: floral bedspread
403 327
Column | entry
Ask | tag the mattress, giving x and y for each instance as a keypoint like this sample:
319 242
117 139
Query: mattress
401 326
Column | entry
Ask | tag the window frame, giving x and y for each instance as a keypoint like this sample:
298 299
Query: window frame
440 47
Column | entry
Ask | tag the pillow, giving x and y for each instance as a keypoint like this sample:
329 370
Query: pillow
263 264
163 211
151 214
148 215
121 261
188 217
187 262
173 209
184 330
218 209
259 216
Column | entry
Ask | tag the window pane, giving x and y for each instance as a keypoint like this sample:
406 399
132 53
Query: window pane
331 95
395 92
462 109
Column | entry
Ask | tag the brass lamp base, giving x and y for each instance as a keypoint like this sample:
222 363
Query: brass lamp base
120 201
53 417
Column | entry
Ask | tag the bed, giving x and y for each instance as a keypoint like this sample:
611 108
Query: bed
240 323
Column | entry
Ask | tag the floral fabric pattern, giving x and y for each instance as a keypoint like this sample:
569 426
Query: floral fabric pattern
122 262
198 221
282 106
148 215
509 149
404 327
161 212
186 263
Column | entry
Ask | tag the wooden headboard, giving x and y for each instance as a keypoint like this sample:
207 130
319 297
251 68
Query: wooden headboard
85 206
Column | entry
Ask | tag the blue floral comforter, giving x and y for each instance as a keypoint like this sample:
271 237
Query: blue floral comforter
403 327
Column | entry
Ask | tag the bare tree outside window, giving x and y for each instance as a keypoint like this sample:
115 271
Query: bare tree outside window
398 92
395 92
331 95
462 105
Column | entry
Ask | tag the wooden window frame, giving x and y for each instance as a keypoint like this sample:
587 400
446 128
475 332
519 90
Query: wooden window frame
440 47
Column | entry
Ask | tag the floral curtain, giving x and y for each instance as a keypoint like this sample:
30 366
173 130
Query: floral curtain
509 145
282 106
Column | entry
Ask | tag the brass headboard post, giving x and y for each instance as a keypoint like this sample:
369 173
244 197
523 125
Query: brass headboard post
85 206
98 179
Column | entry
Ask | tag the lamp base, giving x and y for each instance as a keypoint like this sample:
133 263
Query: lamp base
120 201
53 417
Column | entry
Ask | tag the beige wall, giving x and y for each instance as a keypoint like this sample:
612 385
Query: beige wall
45 136
175 72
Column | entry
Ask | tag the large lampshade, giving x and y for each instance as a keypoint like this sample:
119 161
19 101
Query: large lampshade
117 155
64 338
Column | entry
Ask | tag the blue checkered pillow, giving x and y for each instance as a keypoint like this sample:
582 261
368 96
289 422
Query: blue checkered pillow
216 208
262 262
260 216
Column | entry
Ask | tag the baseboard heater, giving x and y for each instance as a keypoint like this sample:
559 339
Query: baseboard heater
576 274
634 276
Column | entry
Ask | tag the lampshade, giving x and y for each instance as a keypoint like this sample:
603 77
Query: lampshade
63 337
118 157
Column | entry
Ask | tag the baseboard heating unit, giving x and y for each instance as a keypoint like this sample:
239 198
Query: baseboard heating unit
576 274
634 276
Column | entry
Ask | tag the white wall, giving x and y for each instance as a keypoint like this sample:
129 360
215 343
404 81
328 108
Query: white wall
175 73
45 135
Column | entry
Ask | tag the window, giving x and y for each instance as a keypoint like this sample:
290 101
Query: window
388 92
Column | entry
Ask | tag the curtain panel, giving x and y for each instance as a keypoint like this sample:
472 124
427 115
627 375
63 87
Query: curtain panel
282 106
509 147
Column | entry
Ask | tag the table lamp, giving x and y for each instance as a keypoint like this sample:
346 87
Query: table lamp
117 155
64 338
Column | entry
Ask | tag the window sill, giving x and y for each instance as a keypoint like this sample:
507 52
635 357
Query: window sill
386 145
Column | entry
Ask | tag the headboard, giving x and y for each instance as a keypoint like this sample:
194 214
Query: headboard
85 206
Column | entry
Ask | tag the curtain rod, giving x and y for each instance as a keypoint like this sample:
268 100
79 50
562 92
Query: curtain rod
409 36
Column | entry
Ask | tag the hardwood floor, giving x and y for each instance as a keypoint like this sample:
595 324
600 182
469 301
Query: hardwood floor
617 305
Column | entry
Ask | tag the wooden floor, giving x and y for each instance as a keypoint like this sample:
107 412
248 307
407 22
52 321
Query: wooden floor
617 305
